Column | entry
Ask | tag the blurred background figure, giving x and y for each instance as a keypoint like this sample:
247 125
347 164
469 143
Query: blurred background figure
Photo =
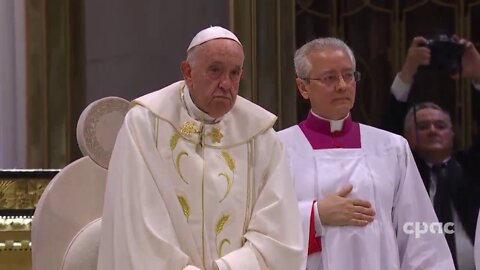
450 177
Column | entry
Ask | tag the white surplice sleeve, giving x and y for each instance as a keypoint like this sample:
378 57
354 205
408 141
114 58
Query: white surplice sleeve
274 239
305 199
412 206
138 231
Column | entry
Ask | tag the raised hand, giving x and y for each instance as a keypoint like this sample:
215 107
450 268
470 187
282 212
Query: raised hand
418 54
470 62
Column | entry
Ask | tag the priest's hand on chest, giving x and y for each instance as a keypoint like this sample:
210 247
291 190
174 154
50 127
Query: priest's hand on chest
338 210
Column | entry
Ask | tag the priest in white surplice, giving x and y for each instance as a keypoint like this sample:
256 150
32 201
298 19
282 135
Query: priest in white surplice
198 178
329 151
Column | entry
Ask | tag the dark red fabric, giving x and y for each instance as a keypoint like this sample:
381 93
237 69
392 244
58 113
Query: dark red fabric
314 243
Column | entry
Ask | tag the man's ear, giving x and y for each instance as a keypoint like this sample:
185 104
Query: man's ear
186 71
302 88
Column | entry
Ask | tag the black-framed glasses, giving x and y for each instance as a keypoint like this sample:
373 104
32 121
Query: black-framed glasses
333 79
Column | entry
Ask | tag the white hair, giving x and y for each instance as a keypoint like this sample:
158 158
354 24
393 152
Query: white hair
302 63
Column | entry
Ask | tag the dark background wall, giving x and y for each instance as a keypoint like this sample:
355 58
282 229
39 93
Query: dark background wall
135 46
80 51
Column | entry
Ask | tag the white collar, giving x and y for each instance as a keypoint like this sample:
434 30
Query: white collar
194 111
335 125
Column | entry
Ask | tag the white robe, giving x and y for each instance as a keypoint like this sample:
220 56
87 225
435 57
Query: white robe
182 194
383 172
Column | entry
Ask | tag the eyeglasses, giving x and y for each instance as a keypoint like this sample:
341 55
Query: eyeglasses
334 79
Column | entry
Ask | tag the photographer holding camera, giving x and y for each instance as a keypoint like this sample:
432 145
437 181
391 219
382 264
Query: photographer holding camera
451 179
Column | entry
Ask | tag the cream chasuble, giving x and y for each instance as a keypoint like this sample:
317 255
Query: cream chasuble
182 194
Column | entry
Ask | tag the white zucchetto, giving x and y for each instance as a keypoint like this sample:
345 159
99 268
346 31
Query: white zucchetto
212 32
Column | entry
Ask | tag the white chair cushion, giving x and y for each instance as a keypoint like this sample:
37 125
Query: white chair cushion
82 253
71 200
66 222
98 126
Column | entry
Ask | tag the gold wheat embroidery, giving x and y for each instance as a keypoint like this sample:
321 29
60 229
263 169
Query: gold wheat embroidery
174 141
216 135
218 229
229 185
231 165
220 248
177 165
185 207
221 223
189 128
229 160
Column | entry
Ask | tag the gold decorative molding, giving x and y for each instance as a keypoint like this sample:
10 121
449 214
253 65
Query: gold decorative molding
20 190
15 223
11 245
15 251
21 193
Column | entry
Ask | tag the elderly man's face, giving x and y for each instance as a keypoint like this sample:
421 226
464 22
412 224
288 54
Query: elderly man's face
434 133
330 95
214 76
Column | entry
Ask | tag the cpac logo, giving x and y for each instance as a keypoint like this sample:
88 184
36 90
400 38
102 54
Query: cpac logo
419 228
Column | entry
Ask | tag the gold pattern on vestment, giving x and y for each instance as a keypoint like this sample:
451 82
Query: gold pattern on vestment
189 128
231 165
229 185
229 160
220 225
174 141
177 165
219 251
216 135
185 206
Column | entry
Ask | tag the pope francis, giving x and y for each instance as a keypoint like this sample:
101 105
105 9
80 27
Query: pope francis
198 178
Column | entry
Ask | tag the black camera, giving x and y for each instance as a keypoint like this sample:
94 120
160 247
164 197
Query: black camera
445 54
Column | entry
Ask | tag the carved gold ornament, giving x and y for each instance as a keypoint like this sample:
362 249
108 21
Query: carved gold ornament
21 194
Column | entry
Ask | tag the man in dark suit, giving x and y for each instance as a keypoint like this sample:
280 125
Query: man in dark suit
451 179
